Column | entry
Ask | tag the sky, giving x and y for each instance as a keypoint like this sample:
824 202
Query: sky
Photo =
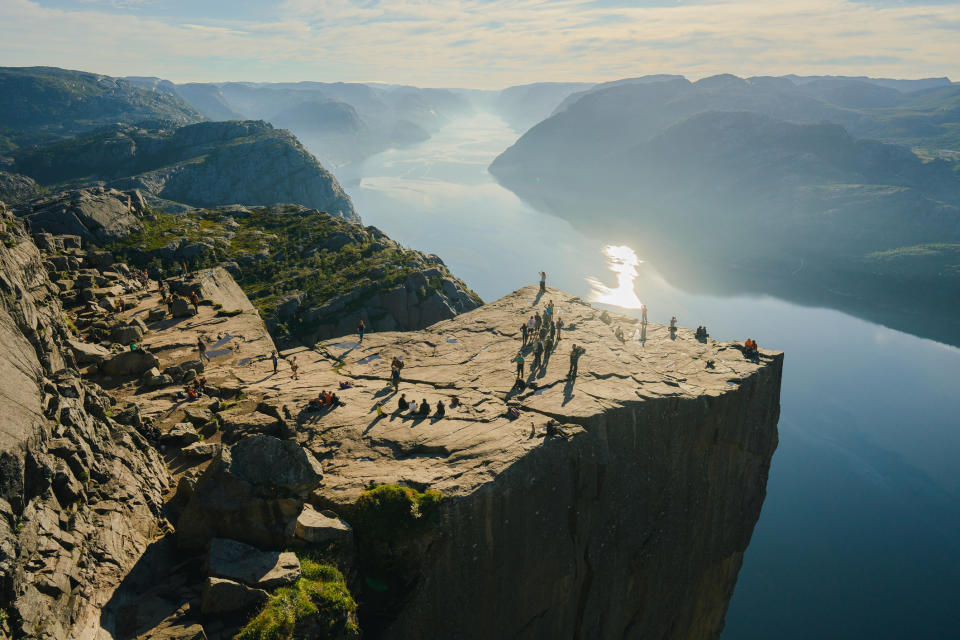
485 44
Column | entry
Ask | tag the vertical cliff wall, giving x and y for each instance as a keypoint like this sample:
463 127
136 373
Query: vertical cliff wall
634 527
80 493
616 505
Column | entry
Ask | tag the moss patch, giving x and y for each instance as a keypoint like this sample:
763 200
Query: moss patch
318 606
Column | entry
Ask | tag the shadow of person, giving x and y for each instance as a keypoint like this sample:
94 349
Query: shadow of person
536 300
568 391
387 392
373 423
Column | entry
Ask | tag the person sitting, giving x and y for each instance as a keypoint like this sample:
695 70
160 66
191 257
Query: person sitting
424 408
202 383
316 404
413 406
441 410
191 392
513 413
402 403
454 402
335 400
345 385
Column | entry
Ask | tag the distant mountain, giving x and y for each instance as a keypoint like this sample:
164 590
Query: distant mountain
205 164
758 186
329 117
208 100
525 105
340 122
41 104
573 97
905 86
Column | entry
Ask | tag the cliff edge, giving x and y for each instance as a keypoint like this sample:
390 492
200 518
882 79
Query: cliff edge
618 504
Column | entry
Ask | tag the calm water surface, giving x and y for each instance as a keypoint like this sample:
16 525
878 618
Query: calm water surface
859 532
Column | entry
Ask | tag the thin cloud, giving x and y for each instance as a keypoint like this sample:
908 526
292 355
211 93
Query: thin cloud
491 44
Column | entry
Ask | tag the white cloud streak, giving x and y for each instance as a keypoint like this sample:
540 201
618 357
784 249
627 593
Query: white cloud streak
476 43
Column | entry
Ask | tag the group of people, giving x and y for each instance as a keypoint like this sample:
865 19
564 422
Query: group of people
326 400
542 333
701 333
750 348
196 389
422 408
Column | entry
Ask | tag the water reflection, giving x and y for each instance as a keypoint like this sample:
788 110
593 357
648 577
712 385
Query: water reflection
623 261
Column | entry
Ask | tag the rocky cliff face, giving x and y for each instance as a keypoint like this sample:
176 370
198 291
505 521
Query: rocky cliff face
615 506
80 493
207 164
618 504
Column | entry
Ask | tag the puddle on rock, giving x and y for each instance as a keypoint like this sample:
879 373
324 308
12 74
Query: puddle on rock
369 359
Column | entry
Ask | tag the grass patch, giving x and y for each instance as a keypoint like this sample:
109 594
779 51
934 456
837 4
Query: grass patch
391 511
318 606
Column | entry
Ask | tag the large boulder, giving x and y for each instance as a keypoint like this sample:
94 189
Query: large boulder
243 563
180 435
315 527
222 596
250 493
237 423
129 363
182 308
97 215
85 353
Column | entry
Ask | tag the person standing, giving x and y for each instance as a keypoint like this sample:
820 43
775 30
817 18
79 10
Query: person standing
294 368
575 354
543 281
361 327
537 321
523 333
537 354
202 348
273 358
643 313
519 361
395 378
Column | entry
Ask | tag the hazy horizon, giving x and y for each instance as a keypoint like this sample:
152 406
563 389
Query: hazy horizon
480 44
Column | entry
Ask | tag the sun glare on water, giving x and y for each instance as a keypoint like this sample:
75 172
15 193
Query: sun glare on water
623 262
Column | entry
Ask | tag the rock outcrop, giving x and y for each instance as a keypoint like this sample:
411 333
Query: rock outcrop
250 493
616 503
203 165
96 215
643 477
15 187
80 493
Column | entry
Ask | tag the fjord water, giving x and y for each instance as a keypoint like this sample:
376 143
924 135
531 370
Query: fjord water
858 534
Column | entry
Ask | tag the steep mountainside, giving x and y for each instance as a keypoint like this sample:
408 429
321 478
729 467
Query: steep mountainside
205 164
719 185
45 103
80 490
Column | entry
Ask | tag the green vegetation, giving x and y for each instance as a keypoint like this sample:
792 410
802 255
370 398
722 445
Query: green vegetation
281 250
46 103
390 511
318 606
